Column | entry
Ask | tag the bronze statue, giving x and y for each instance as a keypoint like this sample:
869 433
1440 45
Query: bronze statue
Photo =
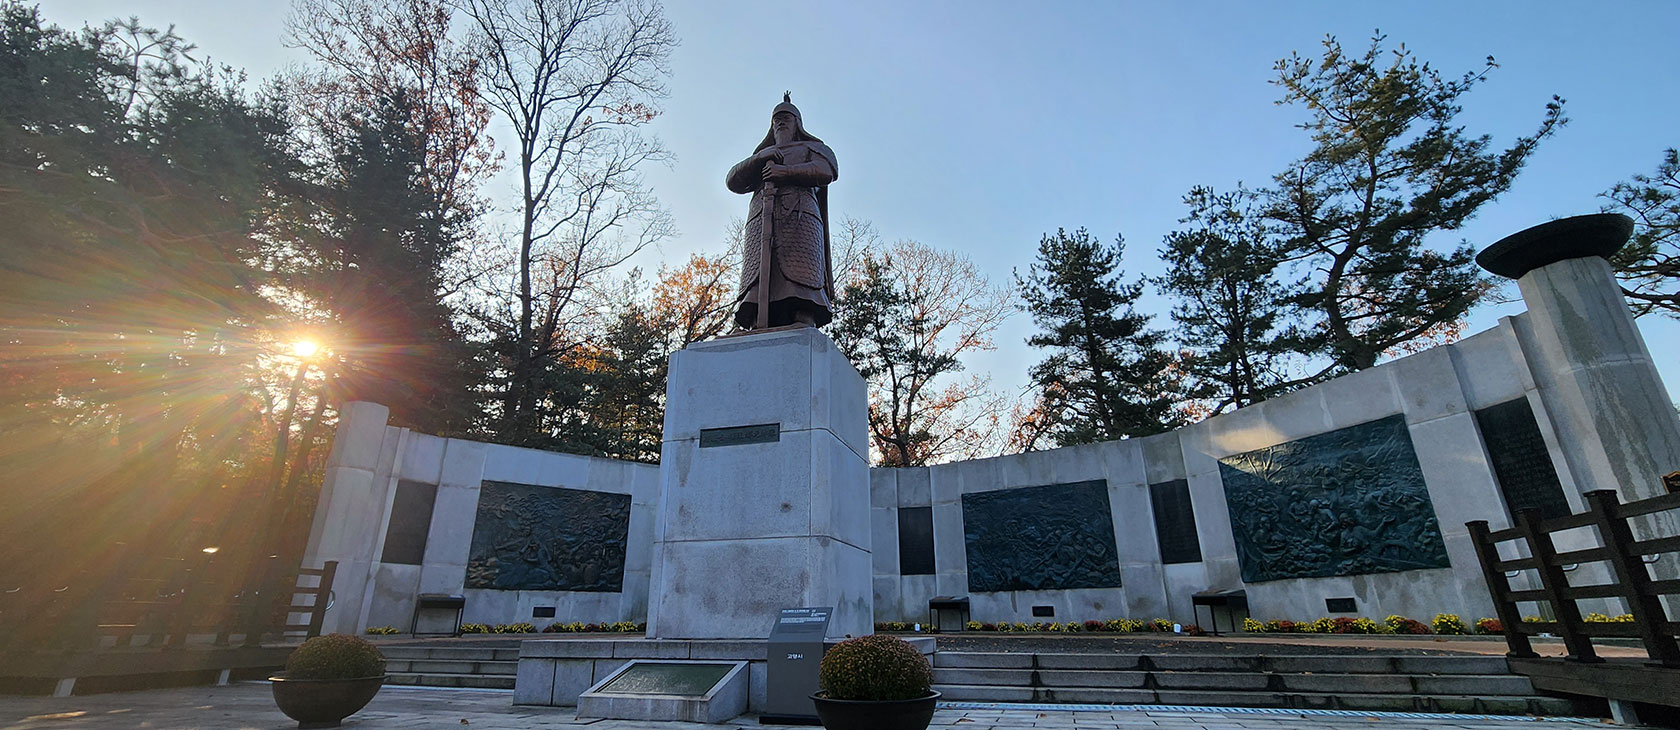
787 226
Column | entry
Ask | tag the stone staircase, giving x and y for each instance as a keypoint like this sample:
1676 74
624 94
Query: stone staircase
1466 684
487 665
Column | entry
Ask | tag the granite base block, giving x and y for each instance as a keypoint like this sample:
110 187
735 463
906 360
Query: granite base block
568 667
725 700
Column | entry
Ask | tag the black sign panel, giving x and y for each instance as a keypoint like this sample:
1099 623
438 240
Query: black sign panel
1521 463
411 520
548 539
1052 537
1175 522
1340 605
915 541
801 623
737 435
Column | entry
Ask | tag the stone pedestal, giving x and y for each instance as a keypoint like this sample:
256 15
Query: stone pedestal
752 521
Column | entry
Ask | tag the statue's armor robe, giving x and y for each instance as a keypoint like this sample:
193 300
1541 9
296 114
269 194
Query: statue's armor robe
800 276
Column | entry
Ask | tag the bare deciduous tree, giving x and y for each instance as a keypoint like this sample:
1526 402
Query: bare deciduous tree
578 81
910 313
371 50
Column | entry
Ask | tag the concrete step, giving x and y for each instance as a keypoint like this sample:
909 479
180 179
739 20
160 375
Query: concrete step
1501 705
449 666
475 681
452 653
1305 682
1326 664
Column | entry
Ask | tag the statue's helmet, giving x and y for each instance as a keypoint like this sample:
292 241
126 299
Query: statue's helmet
799 133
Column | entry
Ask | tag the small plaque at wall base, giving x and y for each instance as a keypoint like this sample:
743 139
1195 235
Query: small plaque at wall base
765 433
1044 611
1340 605
542 612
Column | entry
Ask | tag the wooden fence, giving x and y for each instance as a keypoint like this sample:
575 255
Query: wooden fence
1630 580
165 600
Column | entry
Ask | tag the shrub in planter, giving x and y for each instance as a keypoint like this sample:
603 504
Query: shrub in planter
475 629
382 630
328 679
1489 626
335 656
518 628
875 683
1094 626
988 626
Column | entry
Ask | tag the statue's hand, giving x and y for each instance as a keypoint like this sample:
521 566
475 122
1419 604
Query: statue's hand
774 172
768 154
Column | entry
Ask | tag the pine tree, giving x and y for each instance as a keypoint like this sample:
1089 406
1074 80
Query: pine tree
1649 265
1390 166
377 271
1230 306
629 399
1106 376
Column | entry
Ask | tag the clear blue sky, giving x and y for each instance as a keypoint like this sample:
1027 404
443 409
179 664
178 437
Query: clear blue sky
979 126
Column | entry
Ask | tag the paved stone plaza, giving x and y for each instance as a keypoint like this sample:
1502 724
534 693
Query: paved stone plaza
248 706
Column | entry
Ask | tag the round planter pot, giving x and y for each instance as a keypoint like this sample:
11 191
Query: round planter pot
869 715
322 702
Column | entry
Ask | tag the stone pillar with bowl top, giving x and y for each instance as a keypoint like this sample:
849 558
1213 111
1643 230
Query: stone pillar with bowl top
1615 421
764 488
1613 415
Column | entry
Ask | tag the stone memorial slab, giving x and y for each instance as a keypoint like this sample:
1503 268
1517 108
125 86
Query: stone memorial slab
1346 502
1521 463
548 539
915 541
411 519
1175 522
1054 537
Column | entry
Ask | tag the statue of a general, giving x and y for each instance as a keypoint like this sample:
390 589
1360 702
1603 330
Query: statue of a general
787 226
